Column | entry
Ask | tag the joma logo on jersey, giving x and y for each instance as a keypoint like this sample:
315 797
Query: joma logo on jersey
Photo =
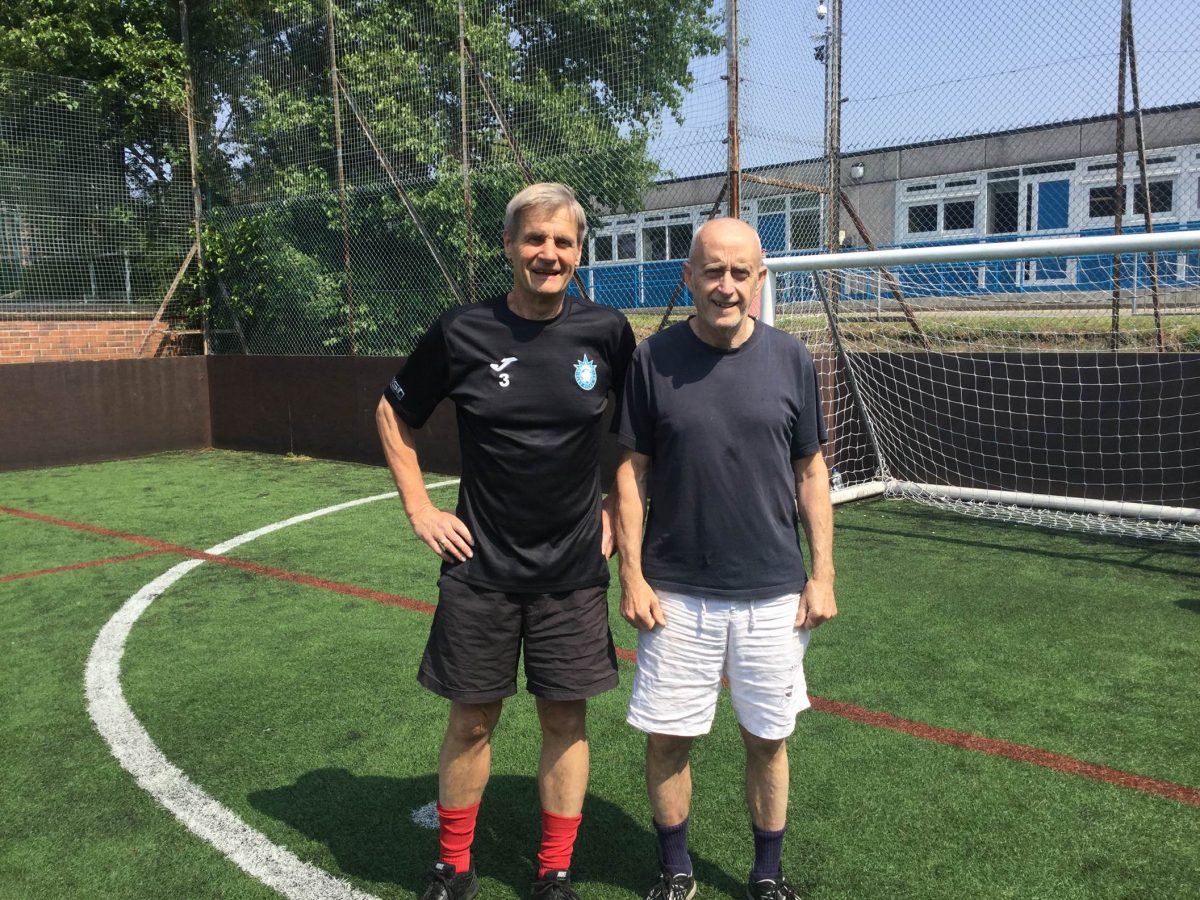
499 368
585 373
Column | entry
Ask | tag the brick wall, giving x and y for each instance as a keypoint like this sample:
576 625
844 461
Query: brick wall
27 340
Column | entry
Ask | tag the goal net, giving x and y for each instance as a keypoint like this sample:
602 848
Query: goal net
1053 382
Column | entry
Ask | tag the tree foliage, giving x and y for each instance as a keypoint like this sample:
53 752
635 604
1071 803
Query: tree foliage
580 86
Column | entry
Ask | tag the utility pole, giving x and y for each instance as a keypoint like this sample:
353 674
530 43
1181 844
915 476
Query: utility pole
731 76
829 52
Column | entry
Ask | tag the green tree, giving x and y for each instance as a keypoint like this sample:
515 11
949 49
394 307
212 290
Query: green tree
582 85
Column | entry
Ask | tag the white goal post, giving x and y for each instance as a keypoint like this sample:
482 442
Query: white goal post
1054 381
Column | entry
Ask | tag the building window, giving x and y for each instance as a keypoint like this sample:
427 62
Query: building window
958 215
654 242
770 205
1102 202
806 228
627 245
1003 203
922 219
1161 197
771 231
680 240
603 248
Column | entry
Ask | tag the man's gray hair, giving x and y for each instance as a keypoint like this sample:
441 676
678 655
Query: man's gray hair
549 196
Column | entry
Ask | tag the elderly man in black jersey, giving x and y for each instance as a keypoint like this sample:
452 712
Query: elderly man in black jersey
524 555
722 430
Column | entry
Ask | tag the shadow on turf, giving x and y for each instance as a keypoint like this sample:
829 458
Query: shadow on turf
366 822
1189 604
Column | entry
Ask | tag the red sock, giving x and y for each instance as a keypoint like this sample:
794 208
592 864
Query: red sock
457 833
558 842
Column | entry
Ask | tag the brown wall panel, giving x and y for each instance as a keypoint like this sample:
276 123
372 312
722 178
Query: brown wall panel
316 406
73 412
325 407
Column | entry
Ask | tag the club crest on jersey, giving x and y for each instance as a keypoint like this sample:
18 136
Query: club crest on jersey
585 373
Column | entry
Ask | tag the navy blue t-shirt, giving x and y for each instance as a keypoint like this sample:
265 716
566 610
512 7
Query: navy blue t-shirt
722 427
530 396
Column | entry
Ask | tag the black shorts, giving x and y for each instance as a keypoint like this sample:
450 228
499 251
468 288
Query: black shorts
477 636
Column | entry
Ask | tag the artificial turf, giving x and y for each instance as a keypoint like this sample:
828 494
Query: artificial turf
297 708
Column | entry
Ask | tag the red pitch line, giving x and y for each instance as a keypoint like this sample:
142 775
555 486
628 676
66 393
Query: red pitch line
83 565
246 566
1018 752
862 715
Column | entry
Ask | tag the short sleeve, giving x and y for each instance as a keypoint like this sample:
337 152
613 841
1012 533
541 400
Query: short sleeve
423 381
809 432
635 416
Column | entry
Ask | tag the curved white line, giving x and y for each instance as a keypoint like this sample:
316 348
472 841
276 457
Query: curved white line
133 747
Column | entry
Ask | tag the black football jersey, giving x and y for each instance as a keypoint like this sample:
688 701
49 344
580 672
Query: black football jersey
530 398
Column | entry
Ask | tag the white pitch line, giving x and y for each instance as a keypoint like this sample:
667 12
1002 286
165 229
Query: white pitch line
133 747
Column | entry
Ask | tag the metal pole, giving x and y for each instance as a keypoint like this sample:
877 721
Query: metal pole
833 63
430 243
1144 183
851 381
731 76
502 121
348 284
194 163
466 150
1119 189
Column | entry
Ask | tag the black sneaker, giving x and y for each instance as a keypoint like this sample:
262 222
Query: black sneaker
446 884
771 889
673 887
555 886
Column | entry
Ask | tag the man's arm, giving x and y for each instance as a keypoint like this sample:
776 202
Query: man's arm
608 519
443 532
639 603
817 603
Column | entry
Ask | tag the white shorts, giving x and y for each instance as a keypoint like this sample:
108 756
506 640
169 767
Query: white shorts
754 644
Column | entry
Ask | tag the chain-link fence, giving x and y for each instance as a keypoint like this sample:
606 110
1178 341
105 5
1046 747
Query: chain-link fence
356 157
361 156
94 222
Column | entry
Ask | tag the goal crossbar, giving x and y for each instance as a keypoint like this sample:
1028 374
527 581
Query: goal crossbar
1094 245
1003 414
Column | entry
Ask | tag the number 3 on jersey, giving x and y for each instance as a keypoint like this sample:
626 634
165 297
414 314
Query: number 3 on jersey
499 368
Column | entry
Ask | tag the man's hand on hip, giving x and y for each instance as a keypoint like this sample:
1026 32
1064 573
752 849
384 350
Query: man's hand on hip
444 533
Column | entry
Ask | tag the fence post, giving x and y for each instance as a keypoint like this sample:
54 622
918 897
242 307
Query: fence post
348 283
189 95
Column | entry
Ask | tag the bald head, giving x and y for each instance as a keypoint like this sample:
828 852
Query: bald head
724 275
722 230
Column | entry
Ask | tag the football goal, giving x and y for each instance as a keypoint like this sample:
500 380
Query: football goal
1053 381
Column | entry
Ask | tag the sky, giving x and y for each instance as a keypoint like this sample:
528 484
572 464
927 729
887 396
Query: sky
917 70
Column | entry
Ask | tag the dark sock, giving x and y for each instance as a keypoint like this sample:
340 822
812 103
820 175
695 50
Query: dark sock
768 849
673 848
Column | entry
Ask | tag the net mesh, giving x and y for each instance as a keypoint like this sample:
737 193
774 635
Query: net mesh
91 223
356 156
365 171
999 405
